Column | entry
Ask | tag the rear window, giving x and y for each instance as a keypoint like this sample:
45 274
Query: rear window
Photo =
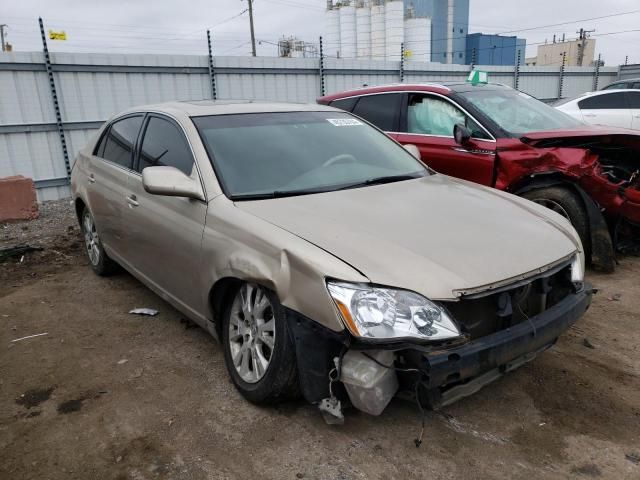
382 110
120 141
604 101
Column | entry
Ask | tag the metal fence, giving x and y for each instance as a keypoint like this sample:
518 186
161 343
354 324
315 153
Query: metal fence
39 123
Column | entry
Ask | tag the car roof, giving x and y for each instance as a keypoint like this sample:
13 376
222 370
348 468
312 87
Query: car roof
444 88
197 108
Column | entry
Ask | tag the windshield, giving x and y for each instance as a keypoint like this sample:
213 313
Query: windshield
290 153
518 113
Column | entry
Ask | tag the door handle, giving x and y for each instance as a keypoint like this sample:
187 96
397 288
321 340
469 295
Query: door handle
132 200
590 115
92 178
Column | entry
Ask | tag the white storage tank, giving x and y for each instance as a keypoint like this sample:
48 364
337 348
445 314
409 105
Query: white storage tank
331 40
363 30
347 31
417 39
394 29
378 50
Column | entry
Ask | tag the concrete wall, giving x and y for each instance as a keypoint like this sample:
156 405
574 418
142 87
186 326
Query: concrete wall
92 87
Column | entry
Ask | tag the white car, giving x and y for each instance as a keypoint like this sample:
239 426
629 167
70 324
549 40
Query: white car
615 108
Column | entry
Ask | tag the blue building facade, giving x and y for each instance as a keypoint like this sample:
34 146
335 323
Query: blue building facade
449 27
482 49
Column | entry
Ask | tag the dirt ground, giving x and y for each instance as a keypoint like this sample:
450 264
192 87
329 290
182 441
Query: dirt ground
108 395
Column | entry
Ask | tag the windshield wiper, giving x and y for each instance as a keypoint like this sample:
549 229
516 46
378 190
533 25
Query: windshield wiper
280 194
309 191
383 180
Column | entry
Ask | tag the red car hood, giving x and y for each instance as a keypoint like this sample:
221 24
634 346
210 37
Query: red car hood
576 137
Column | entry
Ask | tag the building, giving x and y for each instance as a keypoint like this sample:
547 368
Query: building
291 47
485 49
432 30
577 53
375 29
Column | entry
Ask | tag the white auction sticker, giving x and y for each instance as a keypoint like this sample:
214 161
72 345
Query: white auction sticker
344 122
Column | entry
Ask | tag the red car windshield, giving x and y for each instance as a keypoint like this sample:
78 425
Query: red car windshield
518 113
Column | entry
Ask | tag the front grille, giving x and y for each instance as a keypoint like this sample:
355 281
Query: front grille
484 315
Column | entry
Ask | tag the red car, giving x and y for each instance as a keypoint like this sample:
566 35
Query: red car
496 136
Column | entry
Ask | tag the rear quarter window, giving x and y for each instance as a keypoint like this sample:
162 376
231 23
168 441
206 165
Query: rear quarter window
345 104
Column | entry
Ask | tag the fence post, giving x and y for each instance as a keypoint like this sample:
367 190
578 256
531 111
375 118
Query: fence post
561 82
402 62
322 87
54 97
473 58
516 72
596 78
212 72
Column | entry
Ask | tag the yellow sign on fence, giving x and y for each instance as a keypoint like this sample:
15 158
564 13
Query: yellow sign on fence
62 35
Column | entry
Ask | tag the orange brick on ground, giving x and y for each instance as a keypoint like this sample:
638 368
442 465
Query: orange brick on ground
18 200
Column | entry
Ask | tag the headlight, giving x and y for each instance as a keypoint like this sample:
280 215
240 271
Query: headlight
388 314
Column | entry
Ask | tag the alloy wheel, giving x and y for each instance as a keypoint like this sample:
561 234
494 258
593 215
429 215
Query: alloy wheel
252 332
91 239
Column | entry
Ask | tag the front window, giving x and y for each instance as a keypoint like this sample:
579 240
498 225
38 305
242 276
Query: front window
518 113
431 115
266 155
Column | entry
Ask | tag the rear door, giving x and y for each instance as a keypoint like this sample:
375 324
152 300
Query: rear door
607 108
165 233
633 98
108 170
427 121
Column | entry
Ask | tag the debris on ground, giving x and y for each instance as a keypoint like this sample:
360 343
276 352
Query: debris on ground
615 297
633 457
17 251
29 336
188 323
123 361
144 311
588 344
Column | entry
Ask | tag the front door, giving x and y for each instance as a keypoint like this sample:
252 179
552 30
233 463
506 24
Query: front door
428 121
165 233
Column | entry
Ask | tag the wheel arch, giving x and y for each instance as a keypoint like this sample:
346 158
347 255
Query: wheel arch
79 206
602 251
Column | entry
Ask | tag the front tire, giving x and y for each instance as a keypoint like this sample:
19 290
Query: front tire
566 203
258 350
98 258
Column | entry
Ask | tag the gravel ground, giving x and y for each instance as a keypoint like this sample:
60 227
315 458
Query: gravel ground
109 395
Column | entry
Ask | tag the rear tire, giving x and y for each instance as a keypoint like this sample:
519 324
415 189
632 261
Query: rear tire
98 259
258 350
566 203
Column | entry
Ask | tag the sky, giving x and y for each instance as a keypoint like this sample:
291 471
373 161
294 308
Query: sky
179 26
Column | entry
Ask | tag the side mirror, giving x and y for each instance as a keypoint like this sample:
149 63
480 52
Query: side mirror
413 150
461 134
171 182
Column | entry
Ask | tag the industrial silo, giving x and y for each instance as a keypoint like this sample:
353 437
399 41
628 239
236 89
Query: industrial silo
394 29
363 29
347 30
417 39
332 31
378 51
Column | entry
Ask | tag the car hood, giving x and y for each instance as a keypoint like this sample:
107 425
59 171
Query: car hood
584 135
435 235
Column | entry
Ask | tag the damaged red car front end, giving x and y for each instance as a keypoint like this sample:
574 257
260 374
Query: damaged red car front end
601 162
502 138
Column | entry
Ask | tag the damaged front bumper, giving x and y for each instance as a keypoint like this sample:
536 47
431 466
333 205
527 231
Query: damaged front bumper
451 374
437 375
